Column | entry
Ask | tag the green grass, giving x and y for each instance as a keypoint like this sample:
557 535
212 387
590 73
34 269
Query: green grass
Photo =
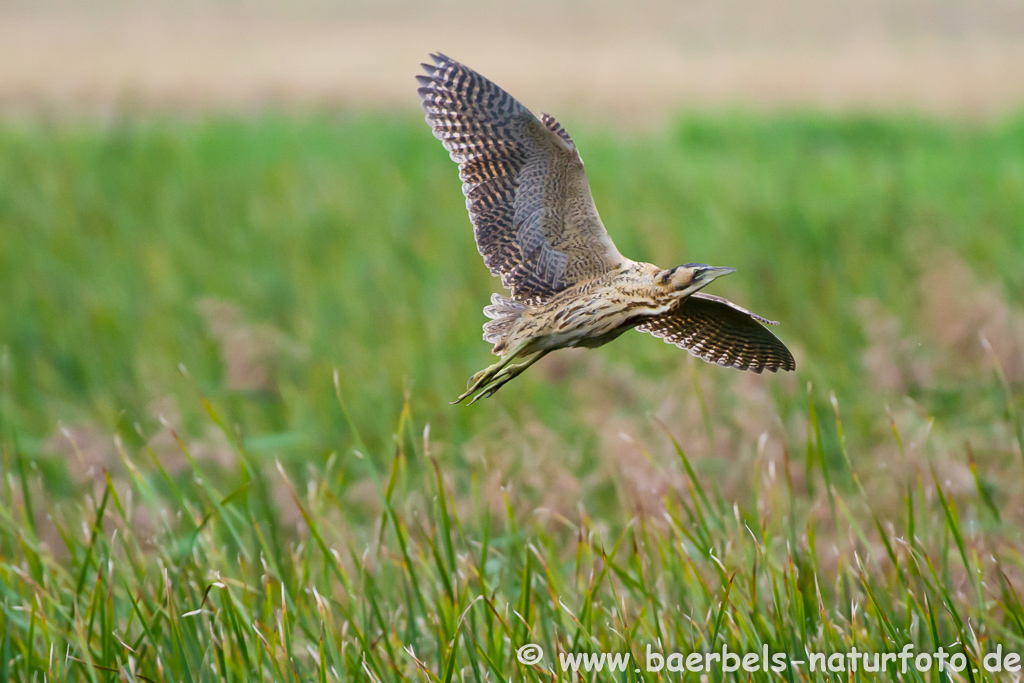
227 451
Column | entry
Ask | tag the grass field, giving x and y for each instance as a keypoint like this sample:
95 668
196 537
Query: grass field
228 454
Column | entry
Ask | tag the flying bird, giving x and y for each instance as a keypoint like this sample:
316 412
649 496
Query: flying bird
537 229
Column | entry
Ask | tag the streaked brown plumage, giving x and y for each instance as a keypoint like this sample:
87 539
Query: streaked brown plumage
537 229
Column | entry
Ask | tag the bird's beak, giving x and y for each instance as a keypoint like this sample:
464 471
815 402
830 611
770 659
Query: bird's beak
714 273
704 278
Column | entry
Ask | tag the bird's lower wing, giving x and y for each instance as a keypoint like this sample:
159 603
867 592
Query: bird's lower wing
718 331
527 193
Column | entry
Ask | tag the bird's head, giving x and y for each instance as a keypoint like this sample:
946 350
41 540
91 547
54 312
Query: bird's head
686 279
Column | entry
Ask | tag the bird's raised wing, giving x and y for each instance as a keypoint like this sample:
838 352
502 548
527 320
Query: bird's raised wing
718 331
528 197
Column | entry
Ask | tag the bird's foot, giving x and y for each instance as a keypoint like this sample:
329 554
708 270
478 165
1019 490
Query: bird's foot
493 387
477 377
487 382
477 385
479 380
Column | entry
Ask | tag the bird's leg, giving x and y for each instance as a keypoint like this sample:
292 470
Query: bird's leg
507 375
486 375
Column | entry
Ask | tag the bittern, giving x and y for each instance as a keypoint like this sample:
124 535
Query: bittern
537 229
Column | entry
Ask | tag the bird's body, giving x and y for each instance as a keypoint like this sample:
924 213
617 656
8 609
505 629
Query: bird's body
590 314
538 229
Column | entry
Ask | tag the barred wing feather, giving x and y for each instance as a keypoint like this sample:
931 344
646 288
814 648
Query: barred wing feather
528 198
718 331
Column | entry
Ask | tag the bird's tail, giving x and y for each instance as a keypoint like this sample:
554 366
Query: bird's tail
503 313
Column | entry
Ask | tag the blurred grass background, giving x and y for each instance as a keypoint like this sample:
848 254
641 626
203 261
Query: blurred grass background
262 253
